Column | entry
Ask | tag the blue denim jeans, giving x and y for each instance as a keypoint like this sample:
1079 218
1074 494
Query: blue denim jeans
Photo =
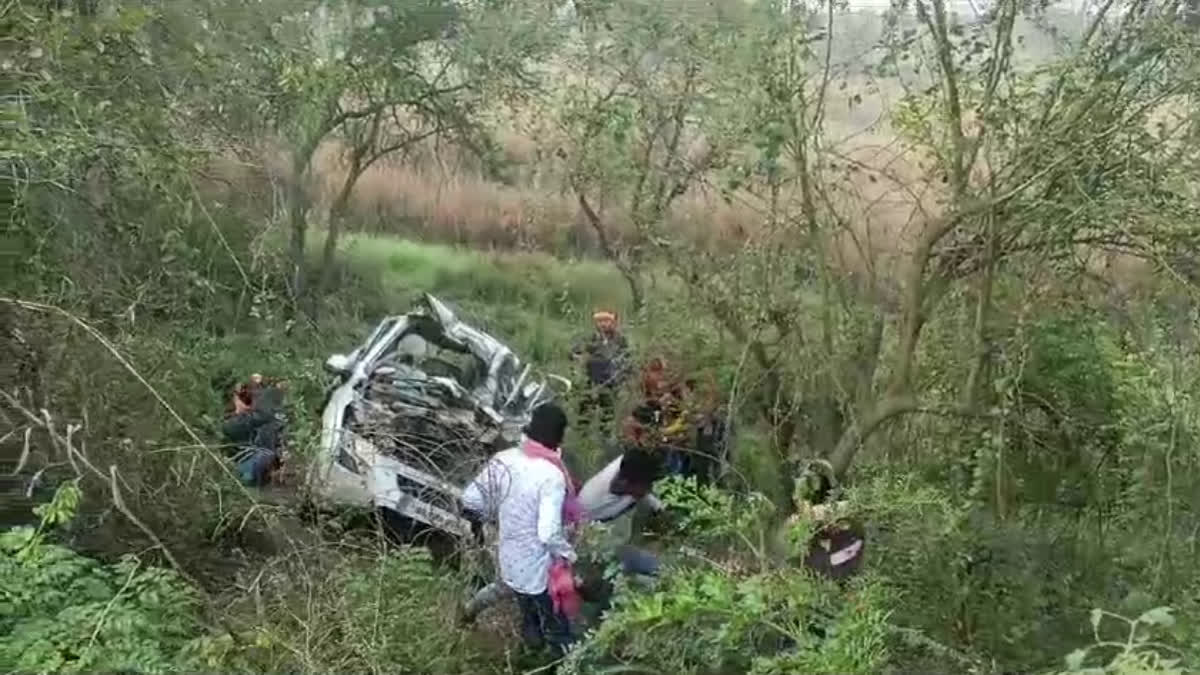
254 466
637 561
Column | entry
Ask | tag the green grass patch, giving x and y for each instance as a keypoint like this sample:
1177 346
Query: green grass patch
538 304
534 282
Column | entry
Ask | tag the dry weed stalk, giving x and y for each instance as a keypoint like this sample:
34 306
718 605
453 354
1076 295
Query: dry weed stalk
64 444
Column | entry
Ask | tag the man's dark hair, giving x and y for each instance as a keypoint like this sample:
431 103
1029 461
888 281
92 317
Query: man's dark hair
818 482
548 425
823 491
639 467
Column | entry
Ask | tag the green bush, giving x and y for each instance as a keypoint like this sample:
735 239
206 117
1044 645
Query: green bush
731 607
1134 649
720 620
62 612
1064 408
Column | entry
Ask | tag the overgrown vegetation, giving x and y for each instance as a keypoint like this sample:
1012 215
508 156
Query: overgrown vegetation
952 253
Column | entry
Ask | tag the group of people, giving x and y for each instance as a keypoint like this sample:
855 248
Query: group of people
677 416
539 511
539 508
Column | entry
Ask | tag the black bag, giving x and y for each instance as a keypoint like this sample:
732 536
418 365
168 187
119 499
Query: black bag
836 551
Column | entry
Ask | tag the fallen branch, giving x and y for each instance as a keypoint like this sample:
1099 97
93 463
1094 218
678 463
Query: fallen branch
24 458
46 422
119 502
112 349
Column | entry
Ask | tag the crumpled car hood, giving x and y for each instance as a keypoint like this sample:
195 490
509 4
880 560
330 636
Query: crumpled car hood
396 435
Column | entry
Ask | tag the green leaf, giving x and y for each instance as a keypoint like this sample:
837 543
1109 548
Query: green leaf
1097 615
1075 658
1159 616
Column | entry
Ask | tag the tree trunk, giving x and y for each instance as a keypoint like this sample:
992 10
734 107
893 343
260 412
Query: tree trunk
636 295
785 433
975 389
297 206
359 163
337 216
866 363
843 455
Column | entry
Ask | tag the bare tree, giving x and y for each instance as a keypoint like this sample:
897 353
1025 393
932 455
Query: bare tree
1027 170
629 124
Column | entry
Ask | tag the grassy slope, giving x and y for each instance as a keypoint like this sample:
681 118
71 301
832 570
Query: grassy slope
537 303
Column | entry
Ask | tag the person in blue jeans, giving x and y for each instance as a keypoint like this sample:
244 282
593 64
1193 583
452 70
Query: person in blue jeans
609 498
255 431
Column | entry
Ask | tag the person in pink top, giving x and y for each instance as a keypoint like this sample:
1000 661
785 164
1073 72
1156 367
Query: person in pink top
532 498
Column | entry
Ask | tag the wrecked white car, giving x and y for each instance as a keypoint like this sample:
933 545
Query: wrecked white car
415 412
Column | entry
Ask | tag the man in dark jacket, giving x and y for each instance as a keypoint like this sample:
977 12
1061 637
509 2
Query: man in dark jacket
256 430
607 362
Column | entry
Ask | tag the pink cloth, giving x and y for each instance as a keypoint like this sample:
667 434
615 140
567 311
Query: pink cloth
561 584
572 509
561 587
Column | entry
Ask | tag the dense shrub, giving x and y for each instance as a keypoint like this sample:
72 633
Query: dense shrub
65 613
731 602
366 611
718 620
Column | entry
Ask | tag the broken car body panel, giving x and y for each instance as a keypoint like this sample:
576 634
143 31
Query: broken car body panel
399 436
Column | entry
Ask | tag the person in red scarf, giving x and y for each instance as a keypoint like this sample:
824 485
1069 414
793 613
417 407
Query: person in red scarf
531 495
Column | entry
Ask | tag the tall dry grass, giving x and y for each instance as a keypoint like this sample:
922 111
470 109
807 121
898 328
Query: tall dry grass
438 193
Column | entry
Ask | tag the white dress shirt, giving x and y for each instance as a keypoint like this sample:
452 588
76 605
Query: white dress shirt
525 496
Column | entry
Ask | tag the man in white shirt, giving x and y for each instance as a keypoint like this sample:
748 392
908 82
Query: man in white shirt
525 495
616 488
609 494
609 497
